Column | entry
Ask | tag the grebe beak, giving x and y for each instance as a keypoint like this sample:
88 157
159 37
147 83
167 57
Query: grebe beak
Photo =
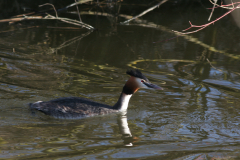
154 86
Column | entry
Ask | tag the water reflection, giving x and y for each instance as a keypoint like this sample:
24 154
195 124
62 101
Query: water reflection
127 137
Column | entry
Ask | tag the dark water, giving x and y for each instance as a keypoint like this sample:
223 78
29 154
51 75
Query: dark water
196 116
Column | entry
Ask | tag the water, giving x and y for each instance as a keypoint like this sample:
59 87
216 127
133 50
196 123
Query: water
196 116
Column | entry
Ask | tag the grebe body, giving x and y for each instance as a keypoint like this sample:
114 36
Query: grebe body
77 107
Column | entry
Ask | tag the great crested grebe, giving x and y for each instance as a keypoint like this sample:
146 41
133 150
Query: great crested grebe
77 107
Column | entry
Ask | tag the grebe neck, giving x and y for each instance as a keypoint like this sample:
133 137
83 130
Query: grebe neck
122 103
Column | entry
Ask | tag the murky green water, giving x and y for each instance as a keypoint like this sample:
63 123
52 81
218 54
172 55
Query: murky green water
196 116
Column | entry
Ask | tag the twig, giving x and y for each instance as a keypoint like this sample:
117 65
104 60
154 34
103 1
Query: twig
50 17
212 10
224 6
148 10
52 6
20 19
77 3
78 12
74 22
71 28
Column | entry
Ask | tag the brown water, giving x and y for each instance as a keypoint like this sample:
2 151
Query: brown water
196 116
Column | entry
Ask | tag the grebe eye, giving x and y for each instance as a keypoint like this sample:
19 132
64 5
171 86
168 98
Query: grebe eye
142 81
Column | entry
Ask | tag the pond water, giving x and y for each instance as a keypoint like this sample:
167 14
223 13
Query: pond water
196 116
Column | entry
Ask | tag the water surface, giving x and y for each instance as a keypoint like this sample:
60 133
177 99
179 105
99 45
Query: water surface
196 116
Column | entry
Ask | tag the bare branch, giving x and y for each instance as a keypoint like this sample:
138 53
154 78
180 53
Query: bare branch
225 6
205 25
49 17
77 3
212 10
52 6
78 12
146 11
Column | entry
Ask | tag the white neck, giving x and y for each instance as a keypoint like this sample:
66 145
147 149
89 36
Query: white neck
122 103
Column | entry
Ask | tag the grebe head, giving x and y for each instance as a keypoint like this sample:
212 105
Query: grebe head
137 81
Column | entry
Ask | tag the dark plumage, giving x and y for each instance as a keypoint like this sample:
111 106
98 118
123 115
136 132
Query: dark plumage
72 107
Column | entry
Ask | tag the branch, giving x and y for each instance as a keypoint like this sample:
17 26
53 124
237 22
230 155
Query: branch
224 6
77 3
144 12
49 17
78 12
205 25
212 10
52 6
67 20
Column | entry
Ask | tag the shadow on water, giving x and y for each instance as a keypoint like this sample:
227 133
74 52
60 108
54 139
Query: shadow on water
196 116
